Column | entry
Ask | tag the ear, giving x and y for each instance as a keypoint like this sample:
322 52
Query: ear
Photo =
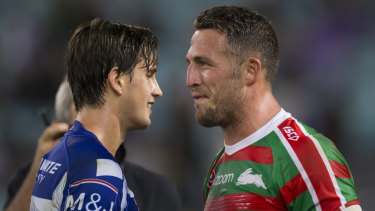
253 67
116 80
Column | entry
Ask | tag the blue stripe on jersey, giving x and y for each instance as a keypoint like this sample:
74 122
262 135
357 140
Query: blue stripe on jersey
94 180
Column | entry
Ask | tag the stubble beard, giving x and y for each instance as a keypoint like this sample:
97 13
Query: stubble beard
224 109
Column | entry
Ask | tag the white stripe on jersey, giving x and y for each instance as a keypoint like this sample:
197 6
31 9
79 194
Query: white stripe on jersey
40 204
124 202
57 195
326 163
107 167
353 208
54 204
300 168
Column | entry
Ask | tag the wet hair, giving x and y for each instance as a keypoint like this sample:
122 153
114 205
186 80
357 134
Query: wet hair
99 45
63 102
248 34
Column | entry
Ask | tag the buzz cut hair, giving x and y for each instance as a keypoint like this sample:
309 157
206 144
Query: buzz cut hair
248 33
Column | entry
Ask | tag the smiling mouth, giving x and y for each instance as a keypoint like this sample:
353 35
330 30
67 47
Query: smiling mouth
199 99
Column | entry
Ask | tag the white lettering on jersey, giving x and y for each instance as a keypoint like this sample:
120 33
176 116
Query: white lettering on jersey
92 205
247 178
49 166
70 203
292 135
222 179
54 168
39 178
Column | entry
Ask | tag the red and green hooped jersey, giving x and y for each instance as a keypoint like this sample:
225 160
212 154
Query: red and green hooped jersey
285 165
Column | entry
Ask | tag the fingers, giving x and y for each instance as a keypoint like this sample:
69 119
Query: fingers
49 139
55 131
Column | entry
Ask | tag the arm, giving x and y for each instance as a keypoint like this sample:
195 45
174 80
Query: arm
47 141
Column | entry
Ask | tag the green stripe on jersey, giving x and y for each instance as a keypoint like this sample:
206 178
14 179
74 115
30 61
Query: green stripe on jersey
302 202
284 168
347 189
247 176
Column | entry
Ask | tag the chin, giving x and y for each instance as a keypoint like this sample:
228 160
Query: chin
140 124
144 124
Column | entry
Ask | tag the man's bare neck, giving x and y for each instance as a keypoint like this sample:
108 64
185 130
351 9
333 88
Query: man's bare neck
257 114
104 125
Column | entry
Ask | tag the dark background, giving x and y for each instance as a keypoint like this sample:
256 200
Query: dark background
326 80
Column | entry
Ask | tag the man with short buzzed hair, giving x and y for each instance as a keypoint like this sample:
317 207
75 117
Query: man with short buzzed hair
270 161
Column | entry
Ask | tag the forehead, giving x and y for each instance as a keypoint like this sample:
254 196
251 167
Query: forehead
143 64
207 42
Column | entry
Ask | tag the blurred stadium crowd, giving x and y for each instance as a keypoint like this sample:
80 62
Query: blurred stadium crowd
326 79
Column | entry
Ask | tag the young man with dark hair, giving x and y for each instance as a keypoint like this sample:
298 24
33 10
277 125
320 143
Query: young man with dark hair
270 160
149 188
111 71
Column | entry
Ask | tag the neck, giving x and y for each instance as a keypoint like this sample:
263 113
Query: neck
259 109
105 125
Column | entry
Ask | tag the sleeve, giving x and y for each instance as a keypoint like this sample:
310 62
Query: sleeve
353 208
324 181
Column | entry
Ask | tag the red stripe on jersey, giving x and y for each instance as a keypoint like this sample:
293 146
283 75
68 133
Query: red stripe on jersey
211 180
312 163
340 170
96 181
244 201
353 202
292 189
258 154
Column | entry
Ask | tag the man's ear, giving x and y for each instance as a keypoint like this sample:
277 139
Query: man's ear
116 81
253 67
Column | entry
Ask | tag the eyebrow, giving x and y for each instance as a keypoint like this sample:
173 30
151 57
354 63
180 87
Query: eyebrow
151 70
199 59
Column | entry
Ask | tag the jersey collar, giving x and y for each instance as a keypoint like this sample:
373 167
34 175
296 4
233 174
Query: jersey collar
259 134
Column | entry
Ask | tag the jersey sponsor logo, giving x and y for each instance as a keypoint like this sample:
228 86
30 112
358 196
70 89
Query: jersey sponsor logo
291 134
212 179
247 178
93 203
223 179
49 166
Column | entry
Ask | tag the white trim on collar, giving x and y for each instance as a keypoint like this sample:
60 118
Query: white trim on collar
260 133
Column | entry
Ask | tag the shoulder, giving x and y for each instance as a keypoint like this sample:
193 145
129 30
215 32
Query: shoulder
88 158
321 169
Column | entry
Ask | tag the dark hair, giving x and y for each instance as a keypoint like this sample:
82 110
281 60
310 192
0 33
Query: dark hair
99 45
248 33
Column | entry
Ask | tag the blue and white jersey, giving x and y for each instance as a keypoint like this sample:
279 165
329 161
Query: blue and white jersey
80 174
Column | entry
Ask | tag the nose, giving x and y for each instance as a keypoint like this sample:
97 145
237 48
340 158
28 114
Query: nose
192 76
156 91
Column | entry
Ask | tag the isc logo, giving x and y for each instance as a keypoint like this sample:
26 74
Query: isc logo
292 135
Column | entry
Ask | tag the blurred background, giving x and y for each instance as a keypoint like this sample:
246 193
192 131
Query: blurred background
326 80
